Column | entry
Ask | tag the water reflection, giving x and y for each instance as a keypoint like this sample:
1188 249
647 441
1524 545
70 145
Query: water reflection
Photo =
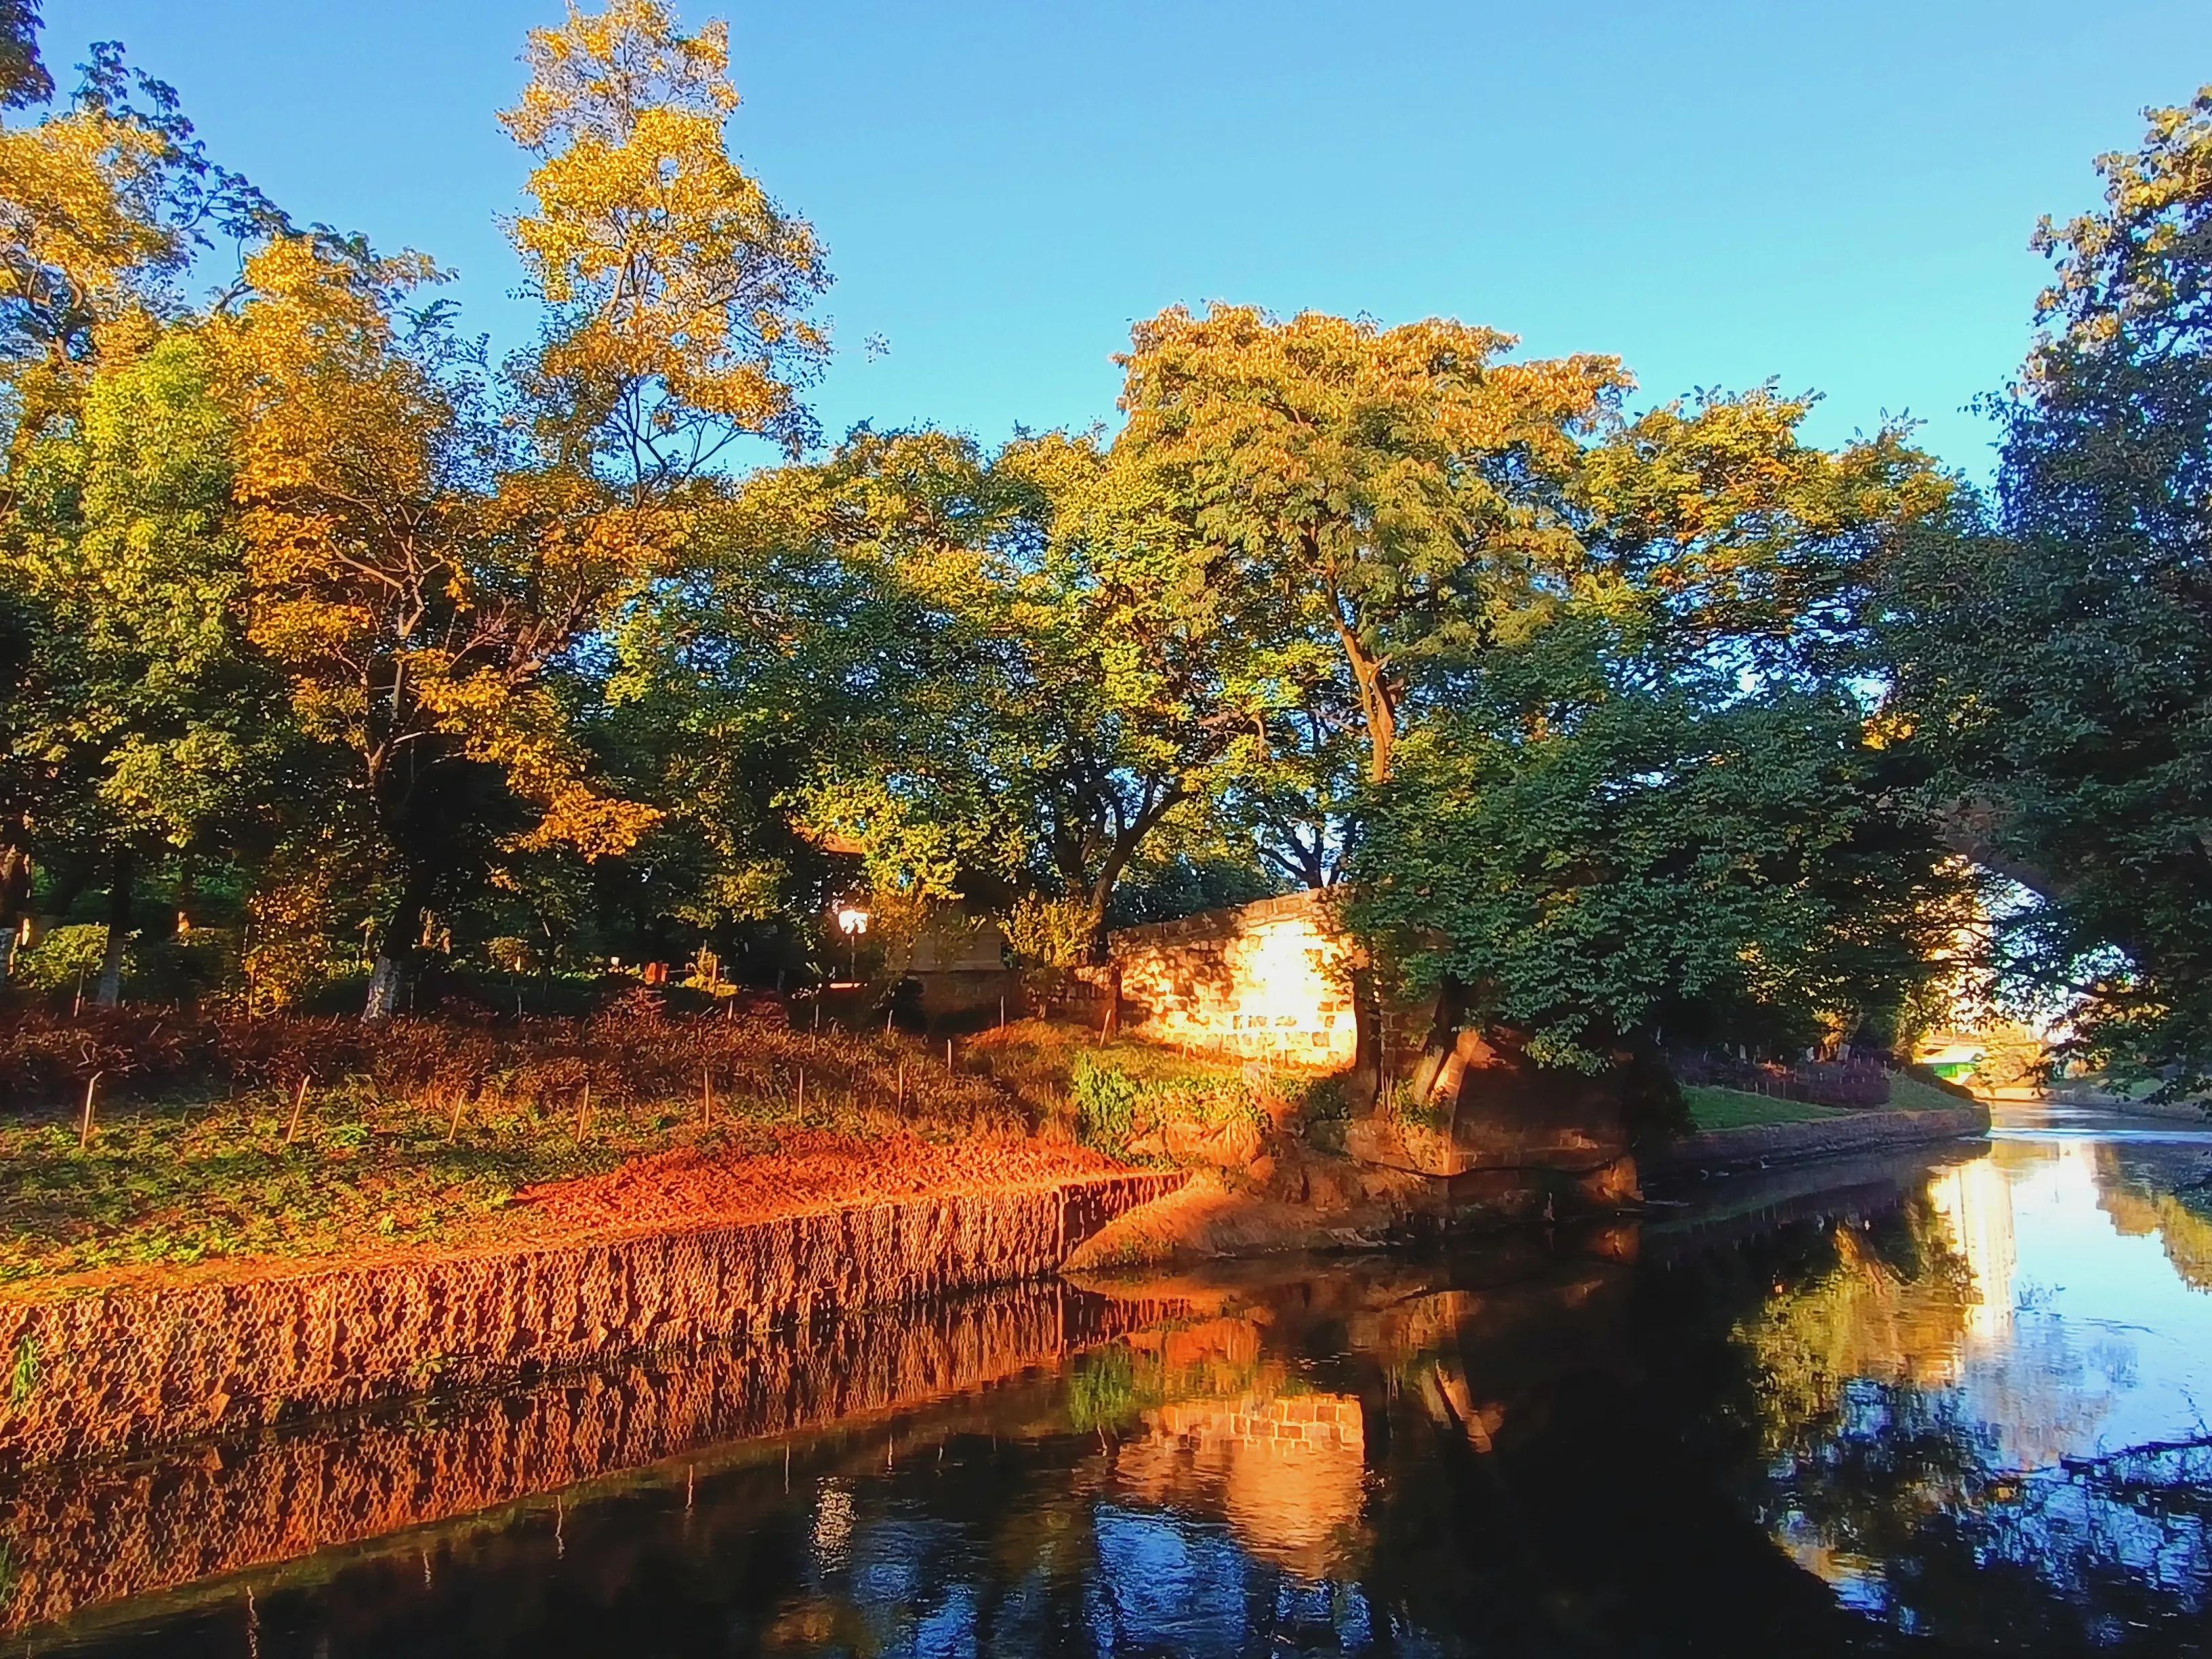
1946 1404
1983 1419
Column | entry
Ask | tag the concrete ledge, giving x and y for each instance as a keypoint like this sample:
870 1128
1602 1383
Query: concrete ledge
1760 1145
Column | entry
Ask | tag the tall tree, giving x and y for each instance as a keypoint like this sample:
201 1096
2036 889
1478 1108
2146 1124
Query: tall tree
2053 654
422 606
676 289
1610 841
161 731
1068 692
1390 490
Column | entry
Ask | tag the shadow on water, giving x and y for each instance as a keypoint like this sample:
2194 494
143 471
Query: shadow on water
1944 1404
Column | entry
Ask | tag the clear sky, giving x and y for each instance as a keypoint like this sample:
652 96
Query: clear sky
1836 195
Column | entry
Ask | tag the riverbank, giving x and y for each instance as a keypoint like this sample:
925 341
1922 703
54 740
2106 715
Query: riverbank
119 1365
84 1536
1837 1134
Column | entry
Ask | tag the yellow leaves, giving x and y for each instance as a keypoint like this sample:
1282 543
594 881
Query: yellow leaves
523 730
82 249
2140 257
595 74
327 405
682 287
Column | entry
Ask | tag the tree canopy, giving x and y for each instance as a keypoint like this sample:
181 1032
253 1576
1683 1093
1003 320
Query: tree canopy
1617 718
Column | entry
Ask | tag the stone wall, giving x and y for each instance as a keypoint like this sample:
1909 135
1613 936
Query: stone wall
1270 981
1759 1144
130 1369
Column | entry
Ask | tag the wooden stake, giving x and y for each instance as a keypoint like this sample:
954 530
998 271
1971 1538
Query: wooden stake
902 1085
948 1054
84 1129
299 1100
1002 1013
460 1104
799 1107
584 1112
887 1016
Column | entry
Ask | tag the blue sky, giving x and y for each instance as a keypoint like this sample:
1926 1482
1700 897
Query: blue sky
1838 195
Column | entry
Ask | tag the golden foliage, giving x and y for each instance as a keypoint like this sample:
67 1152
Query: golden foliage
83 249
681 287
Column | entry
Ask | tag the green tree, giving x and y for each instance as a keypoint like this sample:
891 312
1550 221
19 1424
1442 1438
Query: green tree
1609 845
1389 491
160 734
1067 692
2052 649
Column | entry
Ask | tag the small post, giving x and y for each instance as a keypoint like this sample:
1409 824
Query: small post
584 1112
84 1128
1002 1013
817 1013
902 1085
798 1107
299 1100
887 1021
460 1105
948 1054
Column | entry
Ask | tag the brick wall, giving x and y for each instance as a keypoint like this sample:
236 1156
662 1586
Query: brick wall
1270 981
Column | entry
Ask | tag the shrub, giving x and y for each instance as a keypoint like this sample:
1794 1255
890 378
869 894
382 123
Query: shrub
1105 1101
64 958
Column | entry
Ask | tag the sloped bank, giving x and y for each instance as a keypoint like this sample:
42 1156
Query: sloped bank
1720 1152
121 1370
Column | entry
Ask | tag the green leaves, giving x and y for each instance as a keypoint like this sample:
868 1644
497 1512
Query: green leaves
1638 854
2052 651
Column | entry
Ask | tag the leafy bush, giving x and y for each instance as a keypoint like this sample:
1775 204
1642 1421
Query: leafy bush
64 958
1105 1101
1051 932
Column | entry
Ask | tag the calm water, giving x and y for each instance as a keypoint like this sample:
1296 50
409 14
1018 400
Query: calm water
1954 1404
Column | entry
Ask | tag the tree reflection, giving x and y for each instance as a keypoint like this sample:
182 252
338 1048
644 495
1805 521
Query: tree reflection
1881 1473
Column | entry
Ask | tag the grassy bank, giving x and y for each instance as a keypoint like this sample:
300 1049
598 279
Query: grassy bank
422 1133
1713 1108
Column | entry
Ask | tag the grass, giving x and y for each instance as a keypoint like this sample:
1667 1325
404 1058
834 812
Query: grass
1909 1094
202 1175
1715 1107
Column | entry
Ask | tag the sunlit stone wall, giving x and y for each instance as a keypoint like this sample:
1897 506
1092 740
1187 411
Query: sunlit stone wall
1268 980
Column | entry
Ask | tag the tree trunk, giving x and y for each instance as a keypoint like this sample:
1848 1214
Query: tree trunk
1101 896
15 898
396 954
119 889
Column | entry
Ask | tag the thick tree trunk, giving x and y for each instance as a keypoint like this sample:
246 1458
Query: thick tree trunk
1101 896
396 955
119 894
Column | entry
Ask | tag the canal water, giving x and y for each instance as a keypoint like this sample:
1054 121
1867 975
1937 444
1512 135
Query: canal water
1957 1402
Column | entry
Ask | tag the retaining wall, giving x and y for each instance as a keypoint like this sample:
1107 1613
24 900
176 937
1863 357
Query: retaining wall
1759 1144
126 1370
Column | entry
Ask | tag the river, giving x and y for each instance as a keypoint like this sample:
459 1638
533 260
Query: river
1950 1403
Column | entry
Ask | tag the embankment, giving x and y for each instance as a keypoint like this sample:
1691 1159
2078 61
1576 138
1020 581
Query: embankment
1719 1151
105 1371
